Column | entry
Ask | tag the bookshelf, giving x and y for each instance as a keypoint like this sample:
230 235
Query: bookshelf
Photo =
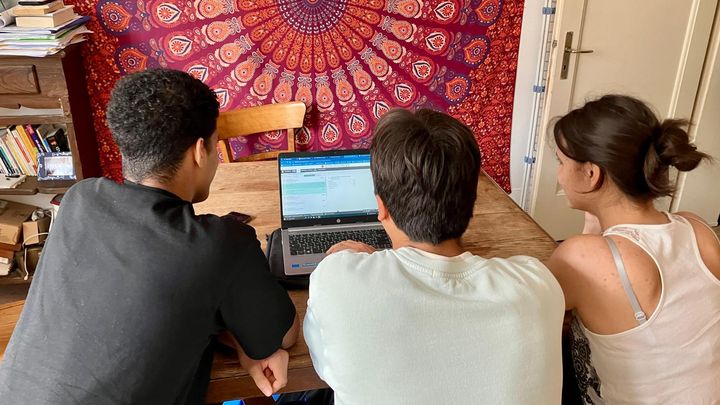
50 90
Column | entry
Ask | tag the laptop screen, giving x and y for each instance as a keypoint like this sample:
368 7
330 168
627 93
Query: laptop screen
326 185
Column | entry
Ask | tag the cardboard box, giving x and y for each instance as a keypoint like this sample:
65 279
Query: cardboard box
12 216
6 256
15 248
31 231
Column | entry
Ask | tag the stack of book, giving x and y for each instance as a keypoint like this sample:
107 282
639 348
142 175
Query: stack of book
20 146
41 28
42 14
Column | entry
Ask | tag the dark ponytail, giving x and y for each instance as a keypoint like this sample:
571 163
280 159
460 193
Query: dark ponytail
624 137
670 147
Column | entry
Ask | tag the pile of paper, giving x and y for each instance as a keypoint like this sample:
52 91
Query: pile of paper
11 181
40 42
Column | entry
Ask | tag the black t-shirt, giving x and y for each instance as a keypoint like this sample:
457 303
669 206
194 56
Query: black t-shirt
131 290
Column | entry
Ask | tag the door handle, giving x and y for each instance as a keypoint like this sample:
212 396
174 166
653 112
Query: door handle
567 51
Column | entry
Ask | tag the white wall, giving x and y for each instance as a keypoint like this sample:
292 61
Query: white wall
530 44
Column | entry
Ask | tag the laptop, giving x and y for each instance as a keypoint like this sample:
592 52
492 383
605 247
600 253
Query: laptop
325 198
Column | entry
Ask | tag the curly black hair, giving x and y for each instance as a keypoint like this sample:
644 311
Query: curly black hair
155 116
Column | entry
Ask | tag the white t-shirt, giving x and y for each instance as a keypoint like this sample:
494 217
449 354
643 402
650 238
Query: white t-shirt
409 327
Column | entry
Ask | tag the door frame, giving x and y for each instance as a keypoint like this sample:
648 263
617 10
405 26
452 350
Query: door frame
683 100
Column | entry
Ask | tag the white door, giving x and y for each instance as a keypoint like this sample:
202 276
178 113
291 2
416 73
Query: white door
699 190
650 49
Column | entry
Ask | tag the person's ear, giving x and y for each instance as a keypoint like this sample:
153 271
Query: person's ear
382 211
593 175
199 152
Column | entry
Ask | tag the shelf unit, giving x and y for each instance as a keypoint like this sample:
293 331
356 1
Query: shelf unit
14 278
56 83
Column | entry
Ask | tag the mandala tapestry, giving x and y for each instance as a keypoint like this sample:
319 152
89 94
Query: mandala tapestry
349 61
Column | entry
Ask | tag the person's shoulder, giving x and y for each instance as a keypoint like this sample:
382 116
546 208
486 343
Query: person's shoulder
703 232
525 280
89 186
227 227
583 260
225 238
579 249
708 242
525 269
88 193
347 264
691 216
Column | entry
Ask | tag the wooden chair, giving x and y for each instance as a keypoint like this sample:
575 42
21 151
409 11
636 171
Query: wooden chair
255 120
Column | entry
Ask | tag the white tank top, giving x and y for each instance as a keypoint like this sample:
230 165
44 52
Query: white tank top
674 356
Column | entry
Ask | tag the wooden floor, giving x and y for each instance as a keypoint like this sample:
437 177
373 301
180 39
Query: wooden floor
13 292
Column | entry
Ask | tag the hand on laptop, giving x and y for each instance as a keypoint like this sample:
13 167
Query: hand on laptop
358 247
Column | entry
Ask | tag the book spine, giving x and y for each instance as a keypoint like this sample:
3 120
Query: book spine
14 146
10 151
44 141
54 146
24 159
6 163
24 153
28 144
35 138
3 169
3 164
8 156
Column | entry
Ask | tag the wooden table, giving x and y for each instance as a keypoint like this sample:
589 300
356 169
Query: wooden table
498 228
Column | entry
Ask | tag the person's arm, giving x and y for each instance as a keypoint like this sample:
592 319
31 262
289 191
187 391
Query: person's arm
562 264
269 374
313 340
291 336
312 326
255 308
320 325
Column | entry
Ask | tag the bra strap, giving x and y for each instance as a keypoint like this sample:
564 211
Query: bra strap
639 314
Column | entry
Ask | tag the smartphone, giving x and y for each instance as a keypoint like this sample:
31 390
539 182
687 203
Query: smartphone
244 218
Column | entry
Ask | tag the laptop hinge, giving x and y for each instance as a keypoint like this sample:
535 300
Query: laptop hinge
331 228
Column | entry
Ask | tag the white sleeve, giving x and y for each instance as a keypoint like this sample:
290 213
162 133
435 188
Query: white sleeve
312 328
311 331
323 301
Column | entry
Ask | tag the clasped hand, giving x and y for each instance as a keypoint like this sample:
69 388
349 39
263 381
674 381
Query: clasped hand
269 374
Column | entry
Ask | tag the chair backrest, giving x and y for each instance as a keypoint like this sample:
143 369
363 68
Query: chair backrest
255 120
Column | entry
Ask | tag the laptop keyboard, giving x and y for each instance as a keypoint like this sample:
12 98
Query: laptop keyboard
311 243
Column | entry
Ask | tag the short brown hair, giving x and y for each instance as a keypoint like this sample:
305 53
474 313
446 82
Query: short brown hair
624 137
425 166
